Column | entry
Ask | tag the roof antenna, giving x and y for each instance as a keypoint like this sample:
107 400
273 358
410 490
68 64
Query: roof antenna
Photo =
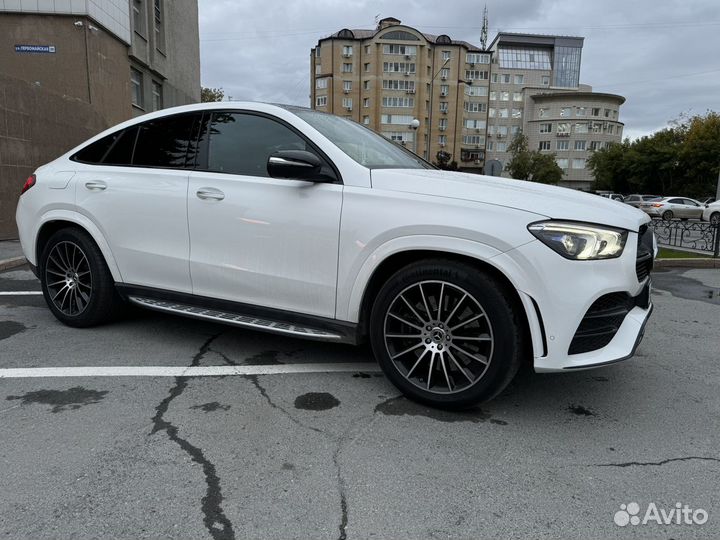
377 19
484 31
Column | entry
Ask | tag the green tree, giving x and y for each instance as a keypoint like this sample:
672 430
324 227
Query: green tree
609 167
208 95
532 165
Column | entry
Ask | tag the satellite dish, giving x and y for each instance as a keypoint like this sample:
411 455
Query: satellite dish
493 168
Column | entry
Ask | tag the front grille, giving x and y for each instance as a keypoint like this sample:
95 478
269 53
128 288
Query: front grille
601 322
644 261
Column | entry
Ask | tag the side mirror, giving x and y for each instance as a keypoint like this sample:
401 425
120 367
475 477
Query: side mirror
296 164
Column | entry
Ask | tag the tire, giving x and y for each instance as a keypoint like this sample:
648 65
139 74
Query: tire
76 283
441 365
715 218
667 215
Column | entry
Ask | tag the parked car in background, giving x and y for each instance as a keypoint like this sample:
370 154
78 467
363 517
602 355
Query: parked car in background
636 200
711 213
302 223
613 196
673 207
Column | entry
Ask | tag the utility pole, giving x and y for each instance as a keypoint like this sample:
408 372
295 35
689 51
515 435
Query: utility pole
429 126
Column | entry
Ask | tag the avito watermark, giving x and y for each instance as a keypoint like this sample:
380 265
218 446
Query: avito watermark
680 514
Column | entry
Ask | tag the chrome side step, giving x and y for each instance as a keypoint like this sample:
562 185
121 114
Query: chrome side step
236 319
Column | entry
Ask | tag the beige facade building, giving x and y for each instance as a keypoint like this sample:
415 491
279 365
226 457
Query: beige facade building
466 101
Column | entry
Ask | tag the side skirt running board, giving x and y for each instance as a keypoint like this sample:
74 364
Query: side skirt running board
236 319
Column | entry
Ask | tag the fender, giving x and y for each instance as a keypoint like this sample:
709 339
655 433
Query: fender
88 226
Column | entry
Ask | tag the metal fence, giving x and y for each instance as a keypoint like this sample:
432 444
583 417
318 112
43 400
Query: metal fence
688 235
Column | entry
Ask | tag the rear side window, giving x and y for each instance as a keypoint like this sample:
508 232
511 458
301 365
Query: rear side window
122 151
676 201
95 153
164 142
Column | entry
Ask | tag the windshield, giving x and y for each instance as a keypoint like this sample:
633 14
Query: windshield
360 143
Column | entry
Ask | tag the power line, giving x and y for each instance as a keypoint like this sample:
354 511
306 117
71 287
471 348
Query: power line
623 83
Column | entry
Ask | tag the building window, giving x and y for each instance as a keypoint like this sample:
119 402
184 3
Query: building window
477 140
474 106
597 127
505 78
565 112
442 139
137 90
399 136
366 120
544 146
546 80
581 127
476 91
503 113
443 106
563 128
321 101
347 103
596 111
366 85
347 51
398 84
317 52
517 96
495 78
398 102
504 96
367 49
446 55
489 145
580 145
443 124
607 113
492 112
366 102
321 83
445 73
159 27
562 163
475 75
398 67
138 8
610 129
396 119
545 128
567 66
444 89
501 147
400 49
347 67
519 79
562 145
493 95
578 163
318 69
542 113
525 58
595 145
475 124
367 67
477 58
347 86
581 111
517 113
157 96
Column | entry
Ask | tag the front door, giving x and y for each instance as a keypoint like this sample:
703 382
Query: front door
254 239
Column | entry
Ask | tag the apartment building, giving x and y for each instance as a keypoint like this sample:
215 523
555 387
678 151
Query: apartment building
72 68
467 102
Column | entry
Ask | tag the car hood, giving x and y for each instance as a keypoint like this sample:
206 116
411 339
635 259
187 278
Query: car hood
544 200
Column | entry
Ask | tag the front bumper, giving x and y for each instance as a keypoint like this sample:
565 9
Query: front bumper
559 293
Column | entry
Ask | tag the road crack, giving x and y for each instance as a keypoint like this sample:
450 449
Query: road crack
217 524
656 463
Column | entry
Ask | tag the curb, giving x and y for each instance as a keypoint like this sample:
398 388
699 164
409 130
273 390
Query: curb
12 263
687 263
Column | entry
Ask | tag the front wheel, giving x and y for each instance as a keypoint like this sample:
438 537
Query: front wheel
76 282
445 334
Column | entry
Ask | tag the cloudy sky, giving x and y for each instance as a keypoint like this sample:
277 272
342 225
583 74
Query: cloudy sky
663 56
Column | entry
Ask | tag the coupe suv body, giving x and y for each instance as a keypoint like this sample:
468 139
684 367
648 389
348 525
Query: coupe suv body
292 221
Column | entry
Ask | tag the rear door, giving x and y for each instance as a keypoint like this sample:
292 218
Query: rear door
137 196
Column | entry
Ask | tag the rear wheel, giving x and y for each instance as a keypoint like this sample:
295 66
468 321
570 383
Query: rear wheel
76 282
667 215
715 218
445 334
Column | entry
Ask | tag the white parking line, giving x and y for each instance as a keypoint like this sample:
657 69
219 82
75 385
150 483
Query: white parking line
183 371
20 293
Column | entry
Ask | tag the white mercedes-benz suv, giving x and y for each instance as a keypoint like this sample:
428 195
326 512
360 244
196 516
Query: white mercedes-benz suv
287 220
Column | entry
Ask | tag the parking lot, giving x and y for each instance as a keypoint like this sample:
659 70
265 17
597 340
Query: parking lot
295 439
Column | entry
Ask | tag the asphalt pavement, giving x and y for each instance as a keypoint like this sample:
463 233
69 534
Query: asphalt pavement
307 440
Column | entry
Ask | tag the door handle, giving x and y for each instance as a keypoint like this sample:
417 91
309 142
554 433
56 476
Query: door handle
96 186
208 193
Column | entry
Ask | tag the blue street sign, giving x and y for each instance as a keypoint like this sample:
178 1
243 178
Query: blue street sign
43 49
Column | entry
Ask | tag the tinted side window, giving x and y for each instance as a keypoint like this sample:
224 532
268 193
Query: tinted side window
676 201
121 152
690 203
94 153
242 143
164 142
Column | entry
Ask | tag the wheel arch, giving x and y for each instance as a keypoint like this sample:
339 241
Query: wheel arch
393 262
57 220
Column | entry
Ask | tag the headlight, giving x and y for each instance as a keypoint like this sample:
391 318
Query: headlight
580 241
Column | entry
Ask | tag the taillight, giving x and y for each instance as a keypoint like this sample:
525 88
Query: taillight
30 182
657 205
